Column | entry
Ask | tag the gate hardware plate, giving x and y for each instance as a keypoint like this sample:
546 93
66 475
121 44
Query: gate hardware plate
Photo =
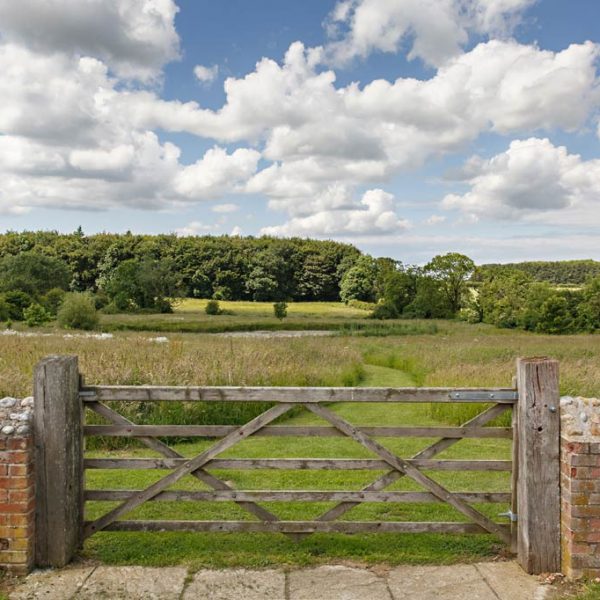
511 515
491 396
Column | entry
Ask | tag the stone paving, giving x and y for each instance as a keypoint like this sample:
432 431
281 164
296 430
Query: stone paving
482 581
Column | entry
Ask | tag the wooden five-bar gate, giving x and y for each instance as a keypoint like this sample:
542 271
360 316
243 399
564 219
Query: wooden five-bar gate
61 400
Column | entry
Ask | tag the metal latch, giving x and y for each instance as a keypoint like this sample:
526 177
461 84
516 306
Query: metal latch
511 515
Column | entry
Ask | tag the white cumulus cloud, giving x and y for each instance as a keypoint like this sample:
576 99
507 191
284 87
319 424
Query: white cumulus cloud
134 37
373 214
216 173
437 29
206 74
535 179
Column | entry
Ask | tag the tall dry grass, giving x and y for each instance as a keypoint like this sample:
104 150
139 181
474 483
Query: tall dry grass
481 355
131 359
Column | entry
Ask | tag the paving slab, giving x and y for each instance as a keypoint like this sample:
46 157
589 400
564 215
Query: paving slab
238 584
456 582
482 581
510 582
337 583
134 583
52 584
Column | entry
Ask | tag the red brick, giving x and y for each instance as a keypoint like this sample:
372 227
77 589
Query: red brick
584 460
20 520
15 483
19 443
585 536
18 457
576 447
21 496
20 470
585 511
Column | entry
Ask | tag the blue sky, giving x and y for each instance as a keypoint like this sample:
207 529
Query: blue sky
407 127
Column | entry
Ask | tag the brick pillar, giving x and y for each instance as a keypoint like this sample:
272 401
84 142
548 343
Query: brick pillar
580 487
17 491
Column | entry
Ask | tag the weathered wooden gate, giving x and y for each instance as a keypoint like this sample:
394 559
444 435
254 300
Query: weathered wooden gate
60 428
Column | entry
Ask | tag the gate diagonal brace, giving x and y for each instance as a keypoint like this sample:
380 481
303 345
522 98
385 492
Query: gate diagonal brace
433 450
407 469
168 452
187 468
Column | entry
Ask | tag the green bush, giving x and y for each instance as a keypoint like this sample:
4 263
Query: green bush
78 312
280 310
361 305
36 315
4 310
52 300
212 308
17 301
384 310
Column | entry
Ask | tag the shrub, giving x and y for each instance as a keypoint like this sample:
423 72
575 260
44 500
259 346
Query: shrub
36 315
52 300
212 308
361 305
384 310
78 312
17 301
280 310
4 310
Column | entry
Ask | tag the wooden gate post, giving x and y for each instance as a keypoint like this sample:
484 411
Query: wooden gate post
58 436
538 486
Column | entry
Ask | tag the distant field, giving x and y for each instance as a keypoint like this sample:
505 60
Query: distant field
189 316
330 310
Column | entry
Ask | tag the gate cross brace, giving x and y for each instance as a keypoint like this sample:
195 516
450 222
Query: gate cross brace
407 469
168 452
391 476
187 468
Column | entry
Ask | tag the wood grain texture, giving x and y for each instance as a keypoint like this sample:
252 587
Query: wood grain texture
302 527
296 496
538 487
301 395
218 431
318 464
58 437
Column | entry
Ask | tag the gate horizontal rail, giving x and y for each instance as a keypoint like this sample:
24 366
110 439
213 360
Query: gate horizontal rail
300 395
297 496
218 431
304 527
326 464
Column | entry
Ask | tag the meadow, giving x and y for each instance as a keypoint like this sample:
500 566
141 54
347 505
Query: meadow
451 354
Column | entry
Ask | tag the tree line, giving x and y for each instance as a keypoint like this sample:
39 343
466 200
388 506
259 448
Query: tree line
44 275
563 272
126 272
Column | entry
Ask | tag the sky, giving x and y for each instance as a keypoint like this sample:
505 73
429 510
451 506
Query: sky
406 127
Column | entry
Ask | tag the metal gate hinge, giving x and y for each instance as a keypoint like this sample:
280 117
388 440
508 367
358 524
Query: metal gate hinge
511 515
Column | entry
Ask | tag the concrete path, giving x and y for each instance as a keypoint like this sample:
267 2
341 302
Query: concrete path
482 581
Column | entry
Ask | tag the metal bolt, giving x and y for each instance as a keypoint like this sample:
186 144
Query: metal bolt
553 409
